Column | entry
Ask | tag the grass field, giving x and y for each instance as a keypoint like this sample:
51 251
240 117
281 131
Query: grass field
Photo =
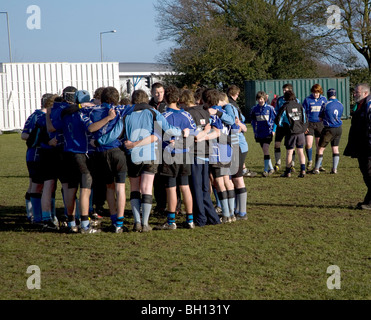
296 229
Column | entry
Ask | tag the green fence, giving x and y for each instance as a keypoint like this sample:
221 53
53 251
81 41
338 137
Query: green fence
301 88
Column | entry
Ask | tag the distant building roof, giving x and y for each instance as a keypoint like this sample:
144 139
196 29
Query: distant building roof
147 68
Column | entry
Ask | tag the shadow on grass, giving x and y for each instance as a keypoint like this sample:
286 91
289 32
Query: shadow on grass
350 207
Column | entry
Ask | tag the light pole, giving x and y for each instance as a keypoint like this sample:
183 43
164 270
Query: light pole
10 50
101 43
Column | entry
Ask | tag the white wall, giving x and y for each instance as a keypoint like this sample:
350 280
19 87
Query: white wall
23 84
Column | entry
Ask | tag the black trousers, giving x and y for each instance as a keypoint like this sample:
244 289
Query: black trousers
365 167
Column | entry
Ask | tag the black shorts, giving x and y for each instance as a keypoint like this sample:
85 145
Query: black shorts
171 182
53 165
332 135
315 129
35 172
238 160
219 171
113 164
80 167
295 140
136 169
281 132
266 140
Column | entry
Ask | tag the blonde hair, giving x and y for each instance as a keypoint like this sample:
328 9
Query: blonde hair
187 98
224 97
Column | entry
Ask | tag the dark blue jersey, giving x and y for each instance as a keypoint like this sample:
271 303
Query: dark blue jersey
331 113
183 120
32 153
313 107
262 120
98 113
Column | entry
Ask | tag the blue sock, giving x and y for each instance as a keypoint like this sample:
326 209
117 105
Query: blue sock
46 216
135 203
71 221
114 218
85 224
223 197
35 199
335 160
231 201
170 217
189 218
146 208
302 167
119 222
319 162
266 165
309 154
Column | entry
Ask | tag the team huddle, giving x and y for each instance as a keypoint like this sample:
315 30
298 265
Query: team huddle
175 148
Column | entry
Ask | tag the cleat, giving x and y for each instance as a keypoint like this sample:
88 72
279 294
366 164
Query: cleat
137 227
248 173
146 228
89 230
218 210
96 216
366 206
301 174
240 217
277 167
322 169
292 169
49 226
265 174
225 219
333 171
72 230
190 225
286 175
233 218
167 226
315 171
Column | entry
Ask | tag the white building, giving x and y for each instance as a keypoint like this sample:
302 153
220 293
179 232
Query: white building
23 84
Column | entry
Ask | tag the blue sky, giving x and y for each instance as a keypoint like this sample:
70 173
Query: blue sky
70 31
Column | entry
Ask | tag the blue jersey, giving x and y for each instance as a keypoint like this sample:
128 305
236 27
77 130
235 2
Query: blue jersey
221 147
183 120
32 153
313 107
262 120
331 113
142 121
98 113
76 139
234 112
55 116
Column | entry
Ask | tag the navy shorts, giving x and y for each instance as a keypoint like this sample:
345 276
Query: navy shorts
295 140
332 135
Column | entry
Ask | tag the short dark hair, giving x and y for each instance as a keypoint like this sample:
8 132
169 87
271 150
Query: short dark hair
289 95
287 86
98 93
157 85
172 94
233 90
261 94
139 96
110 95
187 97
211 97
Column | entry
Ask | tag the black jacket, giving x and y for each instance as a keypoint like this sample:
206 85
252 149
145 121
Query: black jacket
161 107
359 139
